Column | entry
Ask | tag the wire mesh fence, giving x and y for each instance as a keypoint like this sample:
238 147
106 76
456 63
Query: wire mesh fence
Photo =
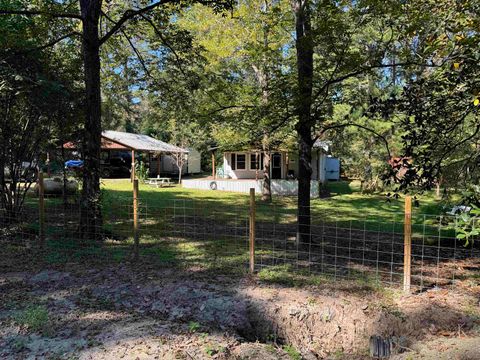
214 236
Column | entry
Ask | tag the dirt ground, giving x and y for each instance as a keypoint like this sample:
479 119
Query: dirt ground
123 312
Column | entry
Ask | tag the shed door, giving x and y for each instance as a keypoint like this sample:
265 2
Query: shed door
332 166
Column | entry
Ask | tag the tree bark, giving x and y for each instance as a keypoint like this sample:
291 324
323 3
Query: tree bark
262 79
304 47
267 183
91 217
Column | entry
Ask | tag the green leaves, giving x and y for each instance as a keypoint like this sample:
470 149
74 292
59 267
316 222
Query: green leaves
468 225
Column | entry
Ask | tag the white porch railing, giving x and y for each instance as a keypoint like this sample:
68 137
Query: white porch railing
279 187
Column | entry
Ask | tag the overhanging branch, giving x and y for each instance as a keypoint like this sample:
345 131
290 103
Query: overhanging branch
129 14
339 126
39 12
49 44
365 69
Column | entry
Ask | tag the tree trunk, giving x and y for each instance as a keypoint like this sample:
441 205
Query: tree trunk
91 217
267 183
263 82
438 187
64 176
304 47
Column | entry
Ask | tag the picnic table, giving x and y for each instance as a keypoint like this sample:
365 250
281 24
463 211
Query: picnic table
159 182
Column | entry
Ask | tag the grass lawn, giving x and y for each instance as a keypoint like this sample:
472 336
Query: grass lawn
346 203
209 228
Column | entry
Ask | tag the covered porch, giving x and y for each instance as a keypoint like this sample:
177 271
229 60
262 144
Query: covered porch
283 165
249 165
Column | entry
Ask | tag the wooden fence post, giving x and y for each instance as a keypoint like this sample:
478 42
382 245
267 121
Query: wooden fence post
407 253
135 219
132 173
252 230
41 209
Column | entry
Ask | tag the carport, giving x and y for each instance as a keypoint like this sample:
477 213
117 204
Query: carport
136 143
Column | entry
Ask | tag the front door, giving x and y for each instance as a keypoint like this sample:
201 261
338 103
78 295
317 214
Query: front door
276 166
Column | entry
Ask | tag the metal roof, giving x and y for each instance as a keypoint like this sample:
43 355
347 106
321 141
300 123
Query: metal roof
141 142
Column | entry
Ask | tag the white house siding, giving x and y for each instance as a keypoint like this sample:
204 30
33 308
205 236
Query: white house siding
322 164
239 174
168 165
279 187
289 165
194 161
318 162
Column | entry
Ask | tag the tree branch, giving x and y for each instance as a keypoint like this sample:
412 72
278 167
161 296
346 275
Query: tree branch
129 14
49 44
164 40
361 127
364 69
39 12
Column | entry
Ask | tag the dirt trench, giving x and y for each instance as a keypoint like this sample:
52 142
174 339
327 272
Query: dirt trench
122 312
331 324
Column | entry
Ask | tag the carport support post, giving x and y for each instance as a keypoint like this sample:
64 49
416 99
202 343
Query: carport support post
252 230
135 219
41 209
407 261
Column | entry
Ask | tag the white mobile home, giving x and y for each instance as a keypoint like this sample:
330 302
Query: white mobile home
243 170
283 164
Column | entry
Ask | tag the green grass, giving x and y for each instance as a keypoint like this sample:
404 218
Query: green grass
287 276
346 201
292 352
34 317
347 207
166 210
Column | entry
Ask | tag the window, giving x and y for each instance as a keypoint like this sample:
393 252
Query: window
238 161
241 161
256 161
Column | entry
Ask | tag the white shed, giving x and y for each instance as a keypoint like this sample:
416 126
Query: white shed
332 167
169 166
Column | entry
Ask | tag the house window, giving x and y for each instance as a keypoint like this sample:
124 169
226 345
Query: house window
256 161
241 162
238 161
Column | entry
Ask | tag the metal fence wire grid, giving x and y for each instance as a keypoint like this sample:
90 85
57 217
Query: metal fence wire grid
233 238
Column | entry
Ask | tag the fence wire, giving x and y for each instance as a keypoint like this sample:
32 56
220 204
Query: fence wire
213 236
